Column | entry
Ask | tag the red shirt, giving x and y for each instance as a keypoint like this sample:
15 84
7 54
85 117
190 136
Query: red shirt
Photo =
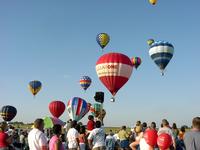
3 137
90 125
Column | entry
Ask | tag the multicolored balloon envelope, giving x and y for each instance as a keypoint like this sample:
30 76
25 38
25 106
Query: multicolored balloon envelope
96 108
77 108
136 61
8 112
49 122
85 82
161 53
35 86
57 108
103 39
114 70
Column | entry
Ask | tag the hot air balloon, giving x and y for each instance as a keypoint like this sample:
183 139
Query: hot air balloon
161 52
150 41
57 108
114 70
153 2
136 61
35 86
77 108
85 82
8 112
103 39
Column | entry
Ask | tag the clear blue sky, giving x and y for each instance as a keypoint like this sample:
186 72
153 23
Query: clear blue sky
55 42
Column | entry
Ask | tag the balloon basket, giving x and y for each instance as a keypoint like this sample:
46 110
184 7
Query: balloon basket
112 99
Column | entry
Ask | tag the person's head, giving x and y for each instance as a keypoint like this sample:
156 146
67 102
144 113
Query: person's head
82 130
165 123
73 124
90 117
80 123
3 126
174 126
39 124
182 129
123 127
138 123
153 125
98 124
196 123
144 125
57 129
111 133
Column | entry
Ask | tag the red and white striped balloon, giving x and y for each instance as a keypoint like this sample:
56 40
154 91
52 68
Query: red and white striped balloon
114 70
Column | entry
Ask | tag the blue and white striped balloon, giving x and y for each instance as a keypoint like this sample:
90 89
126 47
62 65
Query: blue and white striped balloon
161 52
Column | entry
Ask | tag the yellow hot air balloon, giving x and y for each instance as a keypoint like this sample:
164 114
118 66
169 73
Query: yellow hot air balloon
153 2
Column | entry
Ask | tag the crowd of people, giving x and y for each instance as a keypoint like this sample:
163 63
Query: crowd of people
76 136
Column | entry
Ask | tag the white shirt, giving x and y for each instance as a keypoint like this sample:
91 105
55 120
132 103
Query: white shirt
166 130
98 137
72 134
36 139
144 145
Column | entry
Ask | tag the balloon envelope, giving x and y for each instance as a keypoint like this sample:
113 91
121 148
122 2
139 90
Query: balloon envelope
49 122
85 82
103 39
8 112
150 137
77 108
164 141
57 108
35 86
153 2
150 41
161 53
114 70
136 61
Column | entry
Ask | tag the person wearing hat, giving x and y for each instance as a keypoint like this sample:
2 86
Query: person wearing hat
36 138
5 139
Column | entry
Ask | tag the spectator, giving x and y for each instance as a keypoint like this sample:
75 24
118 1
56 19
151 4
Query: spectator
110 141
96 138
55 142
82 138
73 137
5 139
36 138
192 138
124 138
90 123
166 129
139 134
